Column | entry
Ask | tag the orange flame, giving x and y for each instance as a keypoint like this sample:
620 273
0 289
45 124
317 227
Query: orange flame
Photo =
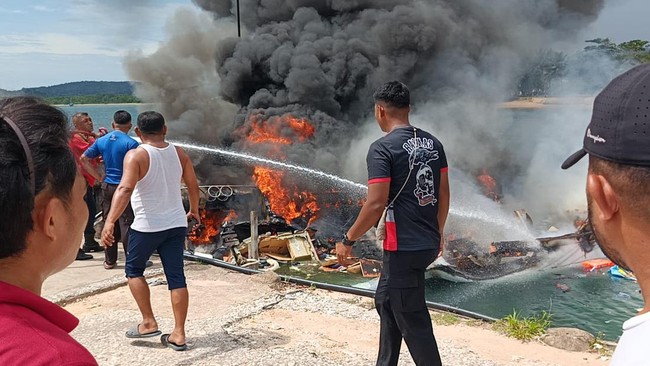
285 199
275 129
211 221
489 185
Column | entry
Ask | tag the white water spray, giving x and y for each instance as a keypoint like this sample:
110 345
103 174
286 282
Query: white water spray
503 222
460 212
273 163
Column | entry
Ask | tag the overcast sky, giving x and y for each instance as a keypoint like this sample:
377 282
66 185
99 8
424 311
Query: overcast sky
46 42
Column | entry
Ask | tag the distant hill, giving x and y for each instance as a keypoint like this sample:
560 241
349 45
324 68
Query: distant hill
9 93
80 88
80 92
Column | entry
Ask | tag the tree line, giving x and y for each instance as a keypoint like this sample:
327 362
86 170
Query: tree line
81 92
94 99
595 65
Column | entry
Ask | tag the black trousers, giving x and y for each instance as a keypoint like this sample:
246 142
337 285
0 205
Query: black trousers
121 231
402 309
89 232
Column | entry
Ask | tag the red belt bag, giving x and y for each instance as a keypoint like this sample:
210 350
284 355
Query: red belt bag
380 231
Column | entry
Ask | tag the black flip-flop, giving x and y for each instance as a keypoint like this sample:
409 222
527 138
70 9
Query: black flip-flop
164 339
135 333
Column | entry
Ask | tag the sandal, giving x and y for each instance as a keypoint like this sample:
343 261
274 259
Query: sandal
167 343
135 333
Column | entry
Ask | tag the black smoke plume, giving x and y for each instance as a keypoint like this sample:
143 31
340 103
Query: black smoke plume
322 59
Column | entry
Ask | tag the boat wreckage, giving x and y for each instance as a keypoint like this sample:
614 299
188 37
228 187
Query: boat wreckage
238 227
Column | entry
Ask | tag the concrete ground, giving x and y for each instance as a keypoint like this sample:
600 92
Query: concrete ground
236 319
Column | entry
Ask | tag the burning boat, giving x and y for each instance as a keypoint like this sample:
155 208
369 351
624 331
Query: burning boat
284 218
464 260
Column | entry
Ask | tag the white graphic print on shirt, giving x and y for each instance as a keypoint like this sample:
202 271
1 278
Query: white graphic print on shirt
421 152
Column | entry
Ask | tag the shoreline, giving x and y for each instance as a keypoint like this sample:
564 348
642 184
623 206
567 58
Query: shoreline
547 102
101 104
519 103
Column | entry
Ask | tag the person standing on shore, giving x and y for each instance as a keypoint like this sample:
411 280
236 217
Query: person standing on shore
617 141
113 147
152 181
82 138
407 171
42 218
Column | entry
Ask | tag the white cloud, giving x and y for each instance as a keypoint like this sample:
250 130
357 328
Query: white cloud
20 70
43 8
81 40
56 43
11 11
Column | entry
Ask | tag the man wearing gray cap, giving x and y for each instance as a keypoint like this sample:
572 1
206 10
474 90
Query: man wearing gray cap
617 141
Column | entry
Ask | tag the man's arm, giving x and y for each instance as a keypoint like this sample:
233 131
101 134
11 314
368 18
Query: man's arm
443 204
189 177
369 215
130 177
92 153
86 162
371 210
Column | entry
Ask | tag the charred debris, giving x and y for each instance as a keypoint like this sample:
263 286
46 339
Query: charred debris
239 227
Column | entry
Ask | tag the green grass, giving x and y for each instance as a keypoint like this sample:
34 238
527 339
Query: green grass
599 345
445 319
476 323
523 328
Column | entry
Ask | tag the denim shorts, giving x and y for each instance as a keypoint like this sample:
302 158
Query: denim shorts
168 243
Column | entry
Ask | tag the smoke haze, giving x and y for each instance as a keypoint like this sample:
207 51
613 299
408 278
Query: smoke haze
322 59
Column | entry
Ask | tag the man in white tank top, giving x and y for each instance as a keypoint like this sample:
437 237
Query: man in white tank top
152 181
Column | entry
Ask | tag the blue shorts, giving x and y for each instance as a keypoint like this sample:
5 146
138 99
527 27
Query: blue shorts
169 244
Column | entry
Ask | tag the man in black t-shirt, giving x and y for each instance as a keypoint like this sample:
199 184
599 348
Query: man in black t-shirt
407 170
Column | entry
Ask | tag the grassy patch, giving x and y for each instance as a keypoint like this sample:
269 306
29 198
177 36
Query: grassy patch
445 319
523 328
600 346
476 323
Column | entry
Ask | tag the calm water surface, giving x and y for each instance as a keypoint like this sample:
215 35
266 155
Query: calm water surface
102 115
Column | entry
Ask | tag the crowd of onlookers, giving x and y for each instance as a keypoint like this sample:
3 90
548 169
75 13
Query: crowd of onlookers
49 178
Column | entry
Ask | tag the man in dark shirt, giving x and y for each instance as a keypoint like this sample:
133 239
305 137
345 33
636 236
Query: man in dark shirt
407 170
112 148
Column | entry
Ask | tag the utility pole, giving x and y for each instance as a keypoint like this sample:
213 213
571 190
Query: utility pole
238 22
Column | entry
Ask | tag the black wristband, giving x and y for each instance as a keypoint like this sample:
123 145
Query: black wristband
346 241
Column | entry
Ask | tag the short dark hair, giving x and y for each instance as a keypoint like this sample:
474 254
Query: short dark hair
151 122
394 93
629 181
122 117
47 133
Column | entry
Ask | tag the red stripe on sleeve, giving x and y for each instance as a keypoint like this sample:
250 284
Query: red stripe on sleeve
379 180
444 170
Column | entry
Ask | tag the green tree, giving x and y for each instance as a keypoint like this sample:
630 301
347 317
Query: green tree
635 51
548 66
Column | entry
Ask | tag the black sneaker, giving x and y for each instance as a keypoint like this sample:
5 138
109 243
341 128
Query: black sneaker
92 247
81 256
